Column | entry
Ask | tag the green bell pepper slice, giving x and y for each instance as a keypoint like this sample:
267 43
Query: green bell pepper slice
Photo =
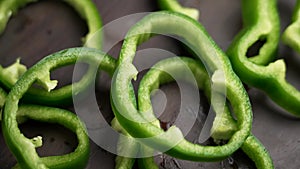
215 61
224 125
268 76
23 148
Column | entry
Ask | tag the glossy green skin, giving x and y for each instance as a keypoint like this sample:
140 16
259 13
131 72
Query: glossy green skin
214 60
156 76
260 20
258 153
93 39
22 148
76 159
269 78
25 151
291 35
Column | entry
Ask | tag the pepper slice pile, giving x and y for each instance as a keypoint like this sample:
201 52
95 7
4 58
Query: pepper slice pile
134 117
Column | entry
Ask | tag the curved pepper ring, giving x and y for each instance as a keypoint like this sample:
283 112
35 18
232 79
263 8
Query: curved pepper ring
22 147
77 159
260 24
269 78
89 12
214 60
224 125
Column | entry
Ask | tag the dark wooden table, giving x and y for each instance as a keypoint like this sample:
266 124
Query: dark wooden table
50 25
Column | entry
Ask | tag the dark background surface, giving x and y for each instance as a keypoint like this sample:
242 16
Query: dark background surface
47 26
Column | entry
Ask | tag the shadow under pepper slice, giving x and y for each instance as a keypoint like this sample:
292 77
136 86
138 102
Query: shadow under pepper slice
76 159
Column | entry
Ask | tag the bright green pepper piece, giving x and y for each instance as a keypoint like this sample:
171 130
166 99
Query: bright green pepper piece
223 124
93 39
23 148
258 153
25 151
214 60
269 78
76 159
261 23
291 34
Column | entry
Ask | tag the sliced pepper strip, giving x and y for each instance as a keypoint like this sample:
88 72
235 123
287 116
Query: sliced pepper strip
261 22
225 124
93 39
25 152
23 148
214 60
79 157
258 153
269 78
291 34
